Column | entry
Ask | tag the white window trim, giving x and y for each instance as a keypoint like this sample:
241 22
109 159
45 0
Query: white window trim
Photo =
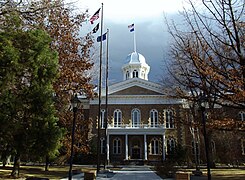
102 143
172 145
155 144
138 117
242 116
154 122
118 121
117 147
168 114
102 118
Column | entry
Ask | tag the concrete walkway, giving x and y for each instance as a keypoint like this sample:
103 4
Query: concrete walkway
130 173
126 173
133 173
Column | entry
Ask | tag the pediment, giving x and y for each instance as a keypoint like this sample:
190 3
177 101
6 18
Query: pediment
135 86
136 90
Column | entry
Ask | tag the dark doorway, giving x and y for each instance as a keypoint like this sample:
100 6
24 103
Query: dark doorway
136 153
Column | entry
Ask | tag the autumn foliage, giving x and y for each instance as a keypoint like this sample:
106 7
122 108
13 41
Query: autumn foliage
63 24
74 62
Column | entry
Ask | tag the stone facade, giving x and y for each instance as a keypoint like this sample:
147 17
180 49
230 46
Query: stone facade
145 125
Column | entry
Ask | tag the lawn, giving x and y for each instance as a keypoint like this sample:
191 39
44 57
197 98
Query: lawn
223 173
55 172
58 172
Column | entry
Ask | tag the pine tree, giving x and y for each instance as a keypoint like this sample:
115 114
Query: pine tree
28 117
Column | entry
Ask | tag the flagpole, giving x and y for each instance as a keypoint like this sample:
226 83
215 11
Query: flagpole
106 100
100 86
134 40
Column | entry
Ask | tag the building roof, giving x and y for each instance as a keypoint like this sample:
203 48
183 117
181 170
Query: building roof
135 58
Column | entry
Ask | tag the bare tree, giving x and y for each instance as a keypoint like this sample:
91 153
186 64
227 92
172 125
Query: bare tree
209 53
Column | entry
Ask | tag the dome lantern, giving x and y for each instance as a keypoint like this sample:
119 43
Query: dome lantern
135 66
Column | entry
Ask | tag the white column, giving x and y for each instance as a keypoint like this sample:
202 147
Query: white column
107 148
126 146
145 148
163 146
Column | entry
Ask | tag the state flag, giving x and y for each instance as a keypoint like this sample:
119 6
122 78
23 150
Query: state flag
131 27
95 16
103 38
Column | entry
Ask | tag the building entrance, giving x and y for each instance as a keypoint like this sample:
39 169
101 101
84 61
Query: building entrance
135 153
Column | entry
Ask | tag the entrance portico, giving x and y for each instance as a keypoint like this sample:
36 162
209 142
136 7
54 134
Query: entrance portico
134 142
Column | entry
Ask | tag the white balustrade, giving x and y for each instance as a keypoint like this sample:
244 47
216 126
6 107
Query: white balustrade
143 126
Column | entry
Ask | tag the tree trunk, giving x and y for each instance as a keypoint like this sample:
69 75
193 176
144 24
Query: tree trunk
16 168
47 163
212 163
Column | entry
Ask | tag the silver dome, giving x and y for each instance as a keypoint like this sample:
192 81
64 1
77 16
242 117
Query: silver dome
135 58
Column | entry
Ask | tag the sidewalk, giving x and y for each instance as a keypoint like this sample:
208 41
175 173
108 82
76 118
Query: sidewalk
134 173
126 173
130 173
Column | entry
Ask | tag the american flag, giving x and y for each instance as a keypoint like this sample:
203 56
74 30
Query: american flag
95 16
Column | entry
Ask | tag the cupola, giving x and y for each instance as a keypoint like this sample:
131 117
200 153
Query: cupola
135 66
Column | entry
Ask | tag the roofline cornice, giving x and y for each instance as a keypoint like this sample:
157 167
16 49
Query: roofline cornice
135 82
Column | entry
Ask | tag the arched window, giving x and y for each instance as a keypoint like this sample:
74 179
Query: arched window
242 116
102 117
117 118
195 148
154 146
143 74
170 146
243 146
169 118
102 145
127 75
135 74
154 118
135 117
117 146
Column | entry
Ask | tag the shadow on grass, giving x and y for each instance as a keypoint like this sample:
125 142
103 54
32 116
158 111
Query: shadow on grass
55 172
221 174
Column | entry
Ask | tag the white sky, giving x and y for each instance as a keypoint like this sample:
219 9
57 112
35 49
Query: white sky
150 28
123 11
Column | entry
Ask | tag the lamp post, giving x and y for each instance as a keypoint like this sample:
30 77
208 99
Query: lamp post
75 103
202 104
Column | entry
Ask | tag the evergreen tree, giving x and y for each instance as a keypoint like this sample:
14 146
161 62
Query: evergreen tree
29 67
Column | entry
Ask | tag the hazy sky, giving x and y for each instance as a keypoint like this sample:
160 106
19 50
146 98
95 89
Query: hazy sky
152 39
